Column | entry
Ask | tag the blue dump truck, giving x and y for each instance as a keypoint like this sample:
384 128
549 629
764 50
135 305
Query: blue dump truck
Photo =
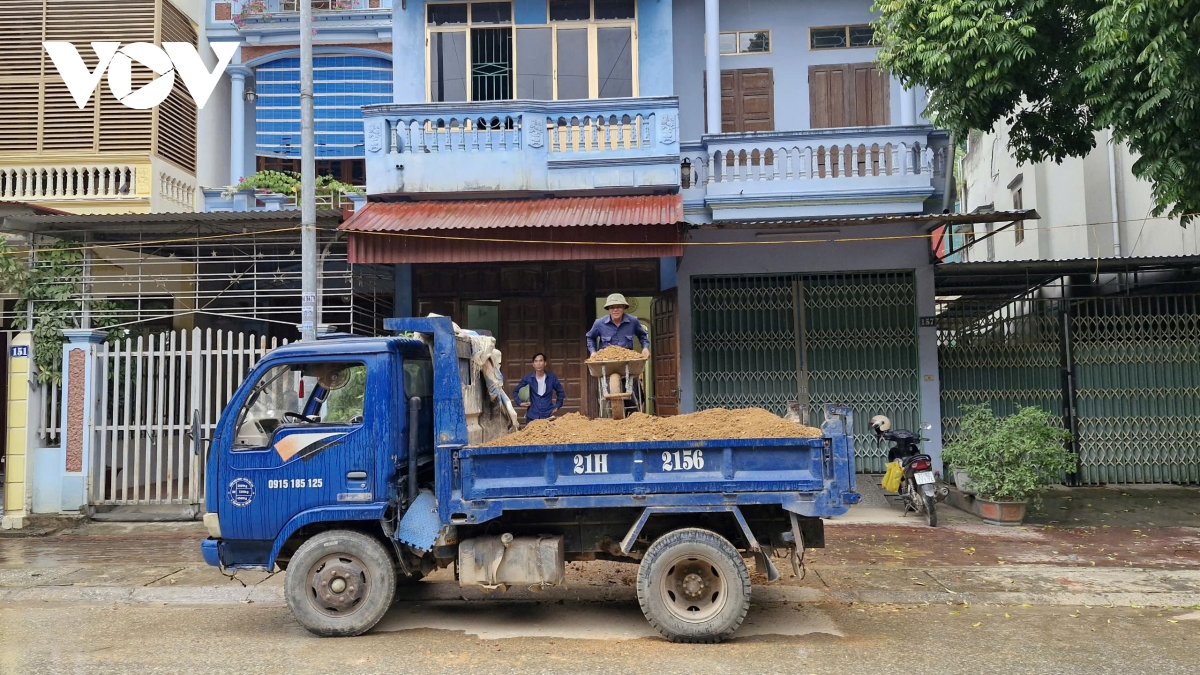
346 462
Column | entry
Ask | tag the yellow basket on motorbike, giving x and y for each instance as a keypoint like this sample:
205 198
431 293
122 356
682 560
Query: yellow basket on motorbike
891 479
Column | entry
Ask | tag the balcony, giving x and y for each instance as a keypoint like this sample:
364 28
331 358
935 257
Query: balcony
613 145
811 173
273 21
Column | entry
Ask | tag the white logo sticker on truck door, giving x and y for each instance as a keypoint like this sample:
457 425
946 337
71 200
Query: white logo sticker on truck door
241 491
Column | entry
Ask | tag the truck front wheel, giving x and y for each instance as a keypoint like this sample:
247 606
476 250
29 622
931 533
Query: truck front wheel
693 586
340 583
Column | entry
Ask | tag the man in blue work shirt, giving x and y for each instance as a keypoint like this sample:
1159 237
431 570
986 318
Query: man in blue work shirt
618 328
543 388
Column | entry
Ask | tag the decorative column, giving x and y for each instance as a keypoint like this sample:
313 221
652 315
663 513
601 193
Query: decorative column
237 123
712 65
908 106
79 407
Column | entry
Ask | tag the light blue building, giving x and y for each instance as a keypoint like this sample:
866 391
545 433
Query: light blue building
741 169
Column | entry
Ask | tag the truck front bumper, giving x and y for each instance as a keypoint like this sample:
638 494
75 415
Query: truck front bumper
208 548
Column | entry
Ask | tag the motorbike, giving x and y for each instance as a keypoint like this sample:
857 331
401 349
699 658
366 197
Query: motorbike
919 487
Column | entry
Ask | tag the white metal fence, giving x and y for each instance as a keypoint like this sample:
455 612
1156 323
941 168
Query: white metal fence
150 388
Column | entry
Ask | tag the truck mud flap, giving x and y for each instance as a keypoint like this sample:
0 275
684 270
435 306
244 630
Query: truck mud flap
420 525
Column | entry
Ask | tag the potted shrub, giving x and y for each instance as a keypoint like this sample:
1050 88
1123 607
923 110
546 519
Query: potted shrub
1009 460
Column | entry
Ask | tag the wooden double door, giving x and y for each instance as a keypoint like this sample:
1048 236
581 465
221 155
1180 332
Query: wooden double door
548 308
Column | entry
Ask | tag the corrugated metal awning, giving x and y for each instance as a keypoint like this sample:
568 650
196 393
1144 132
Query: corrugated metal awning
503 230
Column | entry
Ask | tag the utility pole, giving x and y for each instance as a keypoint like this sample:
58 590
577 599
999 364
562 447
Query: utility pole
308 180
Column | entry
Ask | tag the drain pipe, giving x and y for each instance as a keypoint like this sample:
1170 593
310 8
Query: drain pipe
414 409
1112 194
951 154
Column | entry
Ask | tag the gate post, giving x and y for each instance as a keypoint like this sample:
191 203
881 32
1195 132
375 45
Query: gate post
1070 419
21 430
80 391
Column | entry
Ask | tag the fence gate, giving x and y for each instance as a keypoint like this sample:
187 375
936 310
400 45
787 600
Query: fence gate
1009 357
1136 362
1122 371
830 338
143 451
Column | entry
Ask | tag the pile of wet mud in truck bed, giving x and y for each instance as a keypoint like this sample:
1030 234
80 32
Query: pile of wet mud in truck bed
712 424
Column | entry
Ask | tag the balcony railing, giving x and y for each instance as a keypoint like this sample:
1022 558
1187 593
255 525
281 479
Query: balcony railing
503 146
802 173
68 182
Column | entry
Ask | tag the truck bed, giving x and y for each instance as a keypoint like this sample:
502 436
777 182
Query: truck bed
801 474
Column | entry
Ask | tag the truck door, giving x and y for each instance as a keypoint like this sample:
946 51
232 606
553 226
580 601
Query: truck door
303 438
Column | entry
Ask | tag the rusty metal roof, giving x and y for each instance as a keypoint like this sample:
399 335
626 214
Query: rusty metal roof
480 214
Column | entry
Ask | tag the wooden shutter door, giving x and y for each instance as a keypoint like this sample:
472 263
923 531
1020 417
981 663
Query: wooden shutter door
827 96
666 353
747 100
756 99
872 105
848 95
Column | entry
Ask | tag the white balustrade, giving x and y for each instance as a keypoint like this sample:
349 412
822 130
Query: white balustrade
71 182
769 162
176 191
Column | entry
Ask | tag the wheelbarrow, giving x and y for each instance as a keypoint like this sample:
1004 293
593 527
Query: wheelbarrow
616 382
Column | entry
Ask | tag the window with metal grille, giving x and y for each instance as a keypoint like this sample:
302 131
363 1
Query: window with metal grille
588 49
470 53
841 37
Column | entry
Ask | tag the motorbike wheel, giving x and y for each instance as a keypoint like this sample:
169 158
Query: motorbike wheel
930 510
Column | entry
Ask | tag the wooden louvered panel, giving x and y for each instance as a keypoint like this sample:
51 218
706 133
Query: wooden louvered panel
123 129
176 140
84 21
177 129
64 125
18 130
176 26
21 46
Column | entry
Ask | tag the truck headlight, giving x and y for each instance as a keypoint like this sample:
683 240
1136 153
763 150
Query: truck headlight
213 523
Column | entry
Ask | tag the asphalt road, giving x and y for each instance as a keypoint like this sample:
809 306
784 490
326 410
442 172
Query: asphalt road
599 637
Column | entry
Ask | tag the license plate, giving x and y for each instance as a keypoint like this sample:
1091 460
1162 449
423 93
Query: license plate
924 477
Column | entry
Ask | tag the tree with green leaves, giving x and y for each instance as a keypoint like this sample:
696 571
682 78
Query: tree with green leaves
1058 70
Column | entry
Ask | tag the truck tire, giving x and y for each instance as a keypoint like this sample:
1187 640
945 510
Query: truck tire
340 583
693 586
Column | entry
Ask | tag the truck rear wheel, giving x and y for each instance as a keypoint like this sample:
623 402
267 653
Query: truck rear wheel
340 583
693 586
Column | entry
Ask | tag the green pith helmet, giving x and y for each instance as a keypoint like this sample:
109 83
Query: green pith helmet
615 299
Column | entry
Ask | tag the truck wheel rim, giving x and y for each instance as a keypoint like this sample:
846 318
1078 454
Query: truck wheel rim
338 585
692 589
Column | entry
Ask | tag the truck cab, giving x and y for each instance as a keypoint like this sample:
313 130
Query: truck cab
313 436
358 465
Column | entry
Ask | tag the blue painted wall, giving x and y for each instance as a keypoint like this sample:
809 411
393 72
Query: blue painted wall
790 57
656 67
655 27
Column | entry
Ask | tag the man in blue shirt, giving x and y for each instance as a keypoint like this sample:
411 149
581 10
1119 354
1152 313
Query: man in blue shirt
618 328
543 387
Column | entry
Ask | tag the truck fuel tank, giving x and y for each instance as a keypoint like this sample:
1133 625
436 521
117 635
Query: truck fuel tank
503 561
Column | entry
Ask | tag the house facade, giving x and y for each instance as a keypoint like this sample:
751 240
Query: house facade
742 171
1089 311
102 157
1091 207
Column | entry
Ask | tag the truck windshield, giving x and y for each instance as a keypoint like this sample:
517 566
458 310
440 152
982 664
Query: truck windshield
301 393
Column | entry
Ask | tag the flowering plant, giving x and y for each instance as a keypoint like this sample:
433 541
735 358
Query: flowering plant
255 8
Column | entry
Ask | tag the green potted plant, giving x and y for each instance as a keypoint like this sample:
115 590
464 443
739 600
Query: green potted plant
1009 460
